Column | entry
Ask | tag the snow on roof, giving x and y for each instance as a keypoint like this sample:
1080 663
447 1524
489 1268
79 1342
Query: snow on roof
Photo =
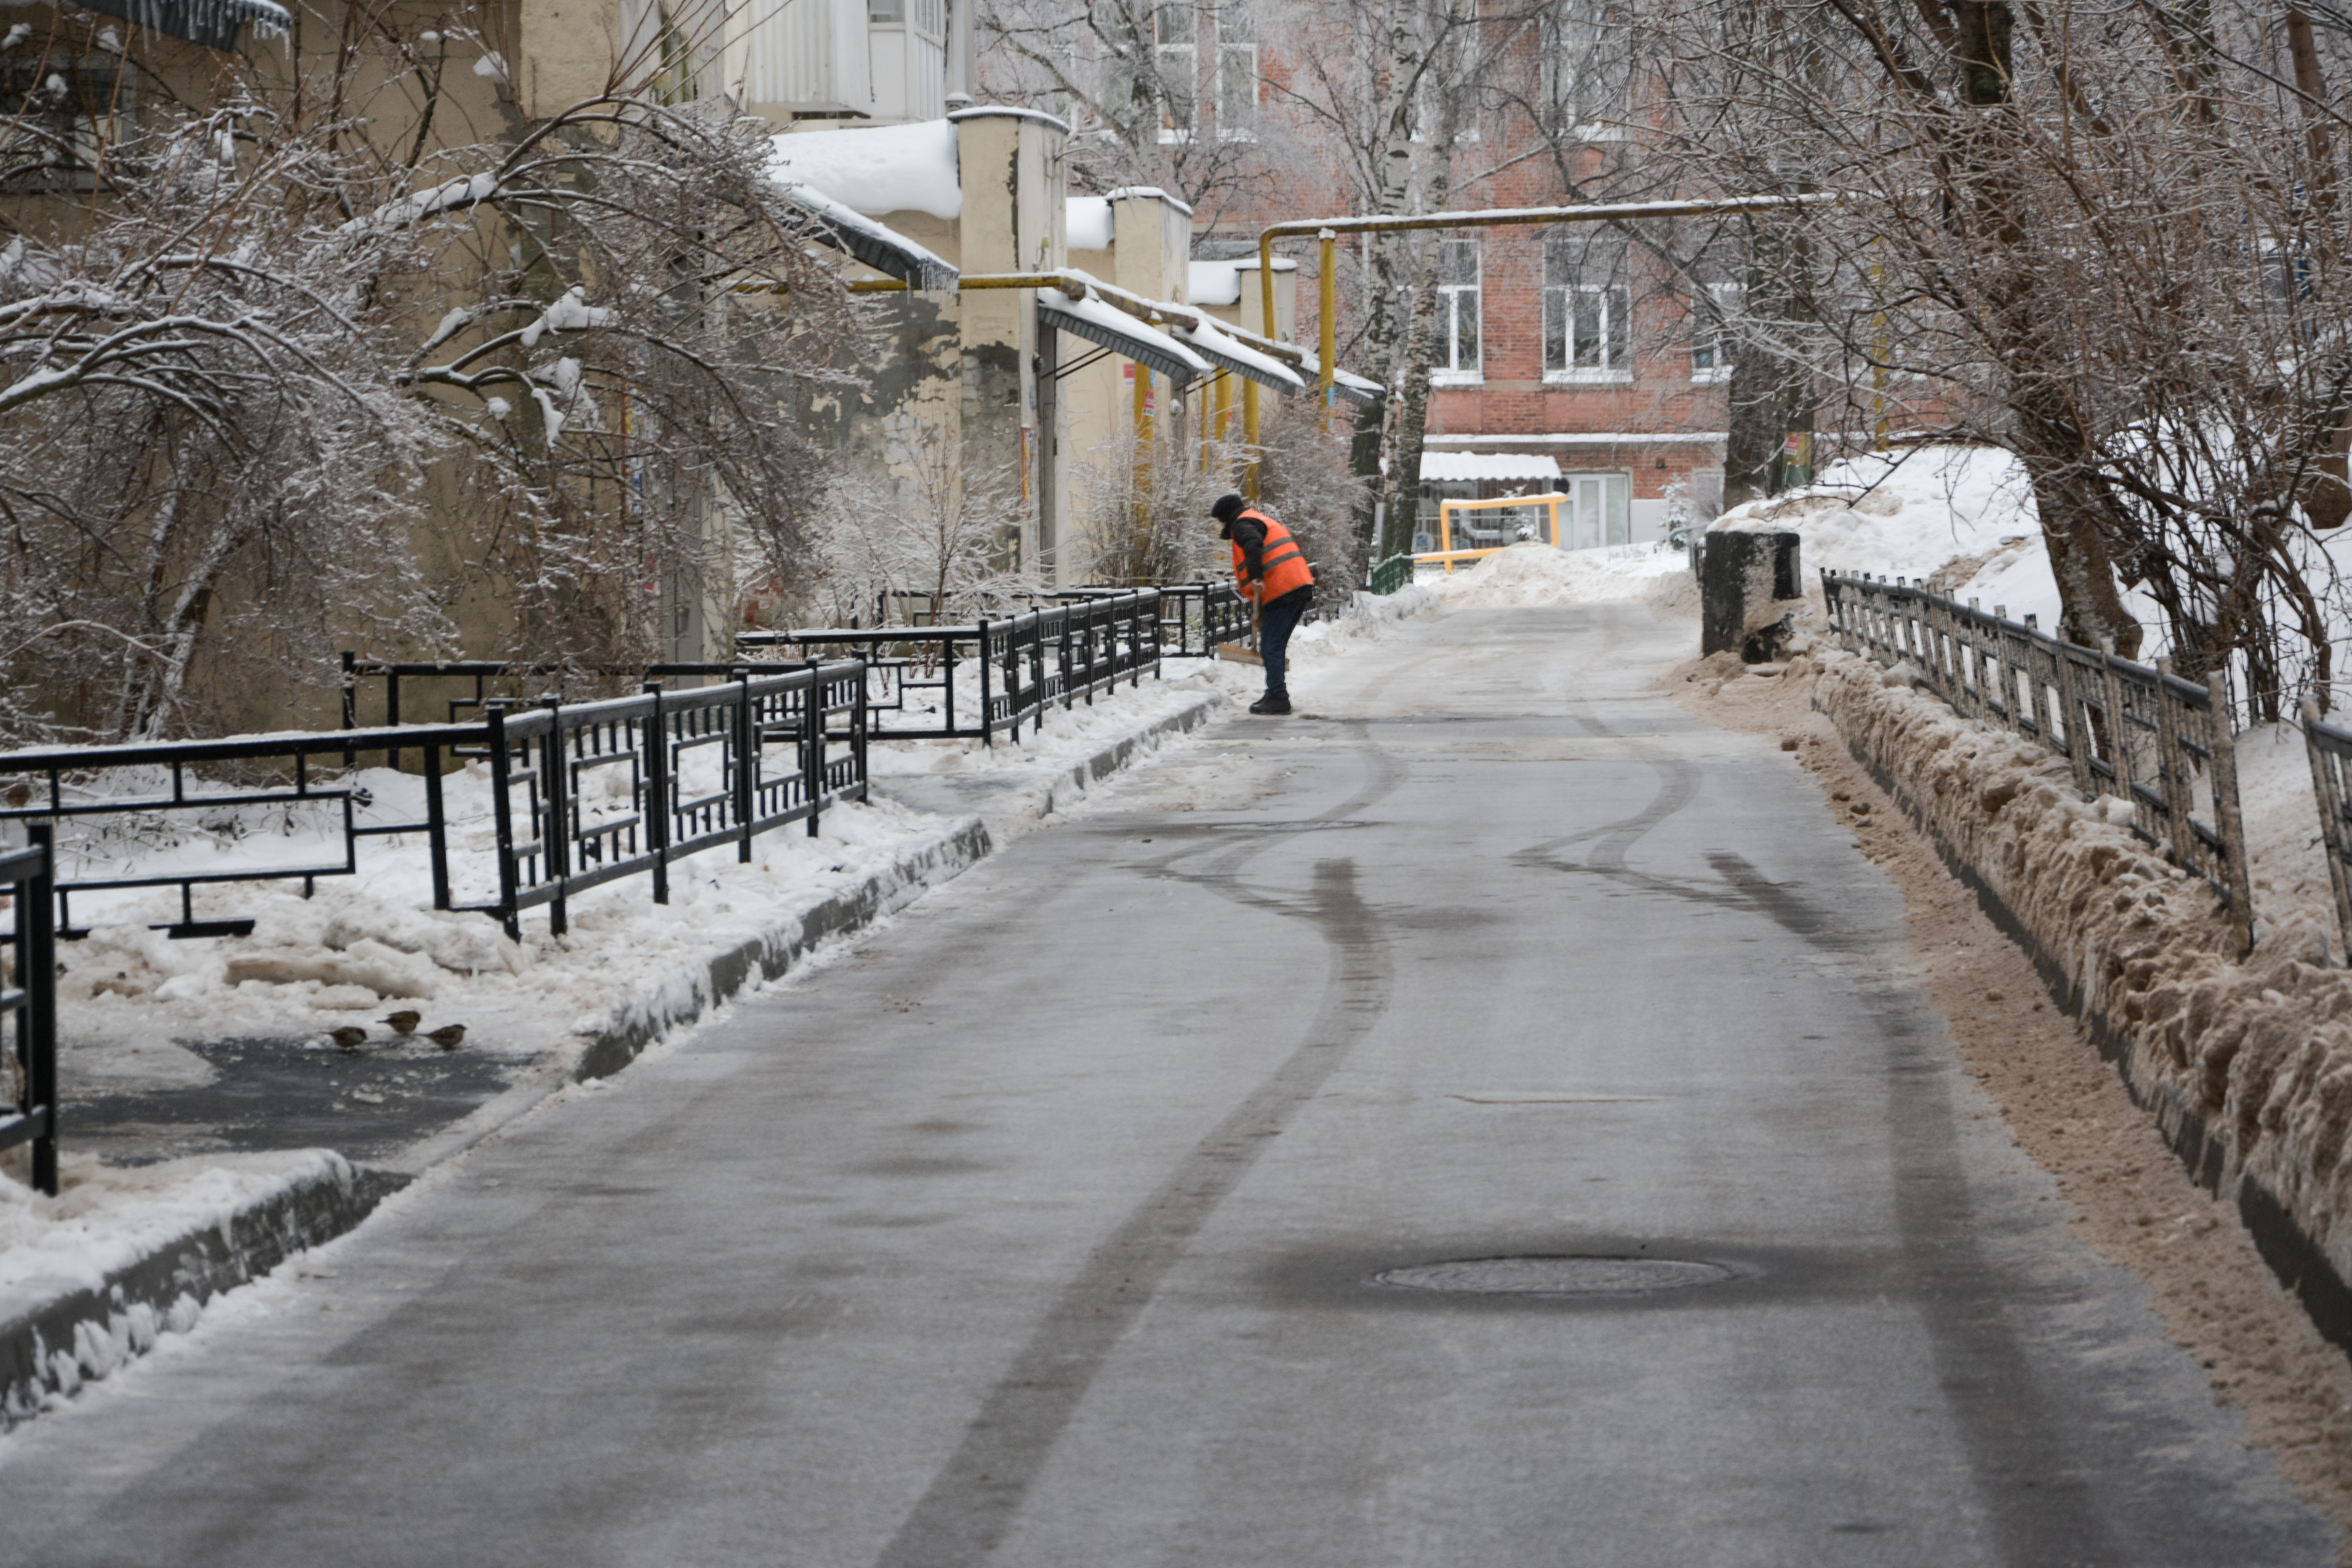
1122 334
1473 466
1219 282
1007 111
1241 359
889 169
1355 388
884 250
1128 192
1214 283
1089 223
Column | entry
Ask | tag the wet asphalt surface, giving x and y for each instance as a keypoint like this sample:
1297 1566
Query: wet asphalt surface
1084 1217
291 1092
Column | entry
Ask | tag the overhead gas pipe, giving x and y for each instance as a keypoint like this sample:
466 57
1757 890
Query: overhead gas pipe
1328 229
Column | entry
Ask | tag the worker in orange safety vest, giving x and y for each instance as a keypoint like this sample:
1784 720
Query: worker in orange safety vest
1271 571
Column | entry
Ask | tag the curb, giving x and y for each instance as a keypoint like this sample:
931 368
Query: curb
88 1332
52 1349
2298 1261
1117 755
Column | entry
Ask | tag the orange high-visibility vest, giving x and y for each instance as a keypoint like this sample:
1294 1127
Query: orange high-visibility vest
1284 562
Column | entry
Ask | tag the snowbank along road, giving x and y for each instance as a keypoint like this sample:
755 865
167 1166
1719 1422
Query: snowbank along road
1483 1120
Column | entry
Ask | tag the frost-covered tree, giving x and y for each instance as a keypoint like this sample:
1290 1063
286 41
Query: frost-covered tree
308 357
2108 238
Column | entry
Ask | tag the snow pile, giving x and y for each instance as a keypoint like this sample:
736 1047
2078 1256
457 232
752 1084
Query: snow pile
1961 518
889 169
105 1218
1532 574
2259 1051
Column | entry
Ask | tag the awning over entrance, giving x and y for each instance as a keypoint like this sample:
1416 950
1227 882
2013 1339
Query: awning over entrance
1472 467
215 24
882 249
1122 333
1230 354
1346 382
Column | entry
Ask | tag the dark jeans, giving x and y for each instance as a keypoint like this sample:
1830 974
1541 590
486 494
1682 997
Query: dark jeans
1279 620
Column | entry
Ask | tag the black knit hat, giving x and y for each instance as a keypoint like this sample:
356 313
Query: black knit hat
1228 507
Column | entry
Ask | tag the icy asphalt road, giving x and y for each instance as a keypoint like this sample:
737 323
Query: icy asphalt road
1043 1231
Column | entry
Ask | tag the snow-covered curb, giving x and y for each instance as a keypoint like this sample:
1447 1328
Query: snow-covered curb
59 1327
75 1311
2245 1066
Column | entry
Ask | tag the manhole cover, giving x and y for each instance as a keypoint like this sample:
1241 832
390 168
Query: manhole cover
1556 1275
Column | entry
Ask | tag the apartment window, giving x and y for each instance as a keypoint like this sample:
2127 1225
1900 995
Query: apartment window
1588 306
1176 52
64 120
1457 310
1236 70
1711 332
1587 69
1451 72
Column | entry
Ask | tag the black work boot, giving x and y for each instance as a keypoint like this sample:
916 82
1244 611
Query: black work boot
1272 702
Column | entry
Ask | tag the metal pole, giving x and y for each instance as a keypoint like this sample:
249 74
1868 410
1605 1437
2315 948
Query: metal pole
657 792
1327 349
502 809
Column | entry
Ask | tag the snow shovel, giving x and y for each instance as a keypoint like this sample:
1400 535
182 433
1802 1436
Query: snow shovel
1240 653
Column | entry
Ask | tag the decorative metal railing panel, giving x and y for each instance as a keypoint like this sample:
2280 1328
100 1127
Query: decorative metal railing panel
2137 732
580 794
991 676
28 1007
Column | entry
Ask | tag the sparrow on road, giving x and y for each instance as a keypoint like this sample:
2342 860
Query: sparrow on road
447 1036
403 1022
349 1037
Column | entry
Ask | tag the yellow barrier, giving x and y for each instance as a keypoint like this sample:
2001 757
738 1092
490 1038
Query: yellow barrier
1554 500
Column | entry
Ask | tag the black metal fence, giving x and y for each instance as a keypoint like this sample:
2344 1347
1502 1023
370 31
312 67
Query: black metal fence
2141 734
580 794
587 793
977 681
28 1003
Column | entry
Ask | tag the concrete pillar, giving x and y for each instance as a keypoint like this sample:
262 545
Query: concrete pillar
1016 182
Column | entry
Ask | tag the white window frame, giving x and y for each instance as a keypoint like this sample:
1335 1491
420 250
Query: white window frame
1570 40
1176 62
96 80
1613 312
1236 33
1462 46
1711 336
1451 298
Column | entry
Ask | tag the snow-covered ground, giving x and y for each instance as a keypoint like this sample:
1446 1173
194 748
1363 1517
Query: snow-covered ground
1962 518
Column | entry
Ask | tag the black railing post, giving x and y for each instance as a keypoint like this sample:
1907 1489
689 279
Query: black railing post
392 712
502 809
747 760
657 792
437 827
351 701
555 791
987 714
39 910
813 746
858 733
